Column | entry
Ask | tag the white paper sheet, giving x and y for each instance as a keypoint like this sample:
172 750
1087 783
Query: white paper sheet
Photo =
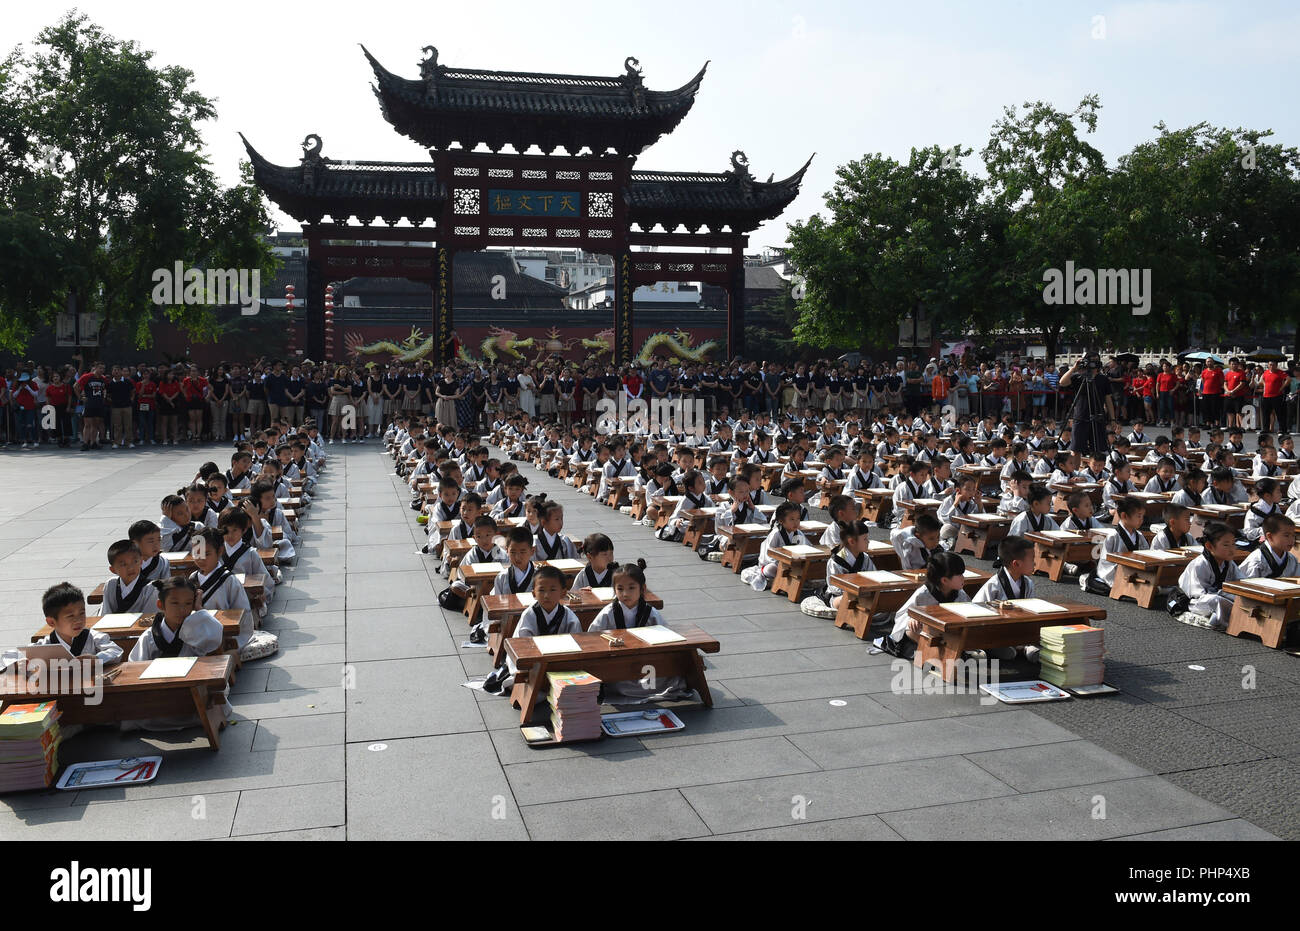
116 621
169 667
656 635
561 643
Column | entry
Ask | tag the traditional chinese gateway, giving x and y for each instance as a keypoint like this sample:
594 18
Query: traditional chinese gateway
467 199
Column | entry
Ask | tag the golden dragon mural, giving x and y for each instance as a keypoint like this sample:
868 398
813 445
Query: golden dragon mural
502 342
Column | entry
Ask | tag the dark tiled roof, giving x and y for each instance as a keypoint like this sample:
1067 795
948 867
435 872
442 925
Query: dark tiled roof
696 199
498 108
366 190
392 190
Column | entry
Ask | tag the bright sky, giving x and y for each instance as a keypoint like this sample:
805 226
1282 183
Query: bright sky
842 79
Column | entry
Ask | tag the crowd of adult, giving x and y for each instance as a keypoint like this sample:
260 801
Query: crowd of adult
133 405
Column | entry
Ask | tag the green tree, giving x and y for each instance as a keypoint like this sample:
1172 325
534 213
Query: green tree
1049 193
895 238
1213 213
104 179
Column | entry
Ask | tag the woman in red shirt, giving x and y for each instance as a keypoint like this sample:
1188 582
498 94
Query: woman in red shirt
1166 381
169 406
147 406
1236 392
57 395
195 387
1273 382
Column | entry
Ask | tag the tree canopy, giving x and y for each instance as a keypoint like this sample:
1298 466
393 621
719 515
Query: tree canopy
1213 214
103 179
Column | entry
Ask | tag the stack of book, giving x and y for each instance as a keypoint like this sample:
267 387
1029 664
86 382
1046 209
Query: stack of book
29 746
575 711
1072 656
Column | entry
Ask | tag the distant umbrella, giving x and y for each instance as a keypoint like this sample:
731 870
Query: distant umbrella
1267 355
1200 356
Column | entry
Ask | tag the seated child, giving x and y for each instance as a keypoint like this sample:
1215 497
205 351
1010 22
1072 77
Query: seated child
148 537
65 613
848 556
218 588
965 501
1124 538
196 500
1272 559
1177 531
945 583
484 550
1037 516
1117 486
914 544
180 628
1165 479
785 532
909 489
177 528
630 611
1193 491
1202 580
512 505
1015 499
551 541
693 499
1269 493
129 590
843 510
1012 581
599 571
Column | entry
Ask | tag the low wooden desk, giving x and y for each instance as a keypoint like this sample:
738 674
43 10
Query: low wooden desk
666 510
699 522
916 507
1052 552
609 663
980 533
865 597
945 636
479 579
503 613
770 475
794 571
125 637
453 551
985 476
876 503
1061 494
1140 575
742 541
1262 611
639 504
127 697
1234 515
617 489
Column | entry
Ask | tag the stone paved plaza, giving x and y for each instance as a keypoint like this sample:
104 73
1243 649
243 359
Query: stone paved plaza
1179 753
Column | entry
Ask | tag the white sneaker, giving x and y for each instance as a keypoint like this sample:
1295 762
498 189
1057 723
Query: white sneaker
1031 654
331 441
1083 581
133 446
25 446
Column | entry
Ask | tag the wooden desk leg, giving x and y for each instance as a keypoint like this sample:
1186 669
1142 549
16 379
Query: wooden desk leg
798 576
536 686
782 579
965 541
695 679
1265 621
472 605
1050 562
691 538
853 615
210 717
